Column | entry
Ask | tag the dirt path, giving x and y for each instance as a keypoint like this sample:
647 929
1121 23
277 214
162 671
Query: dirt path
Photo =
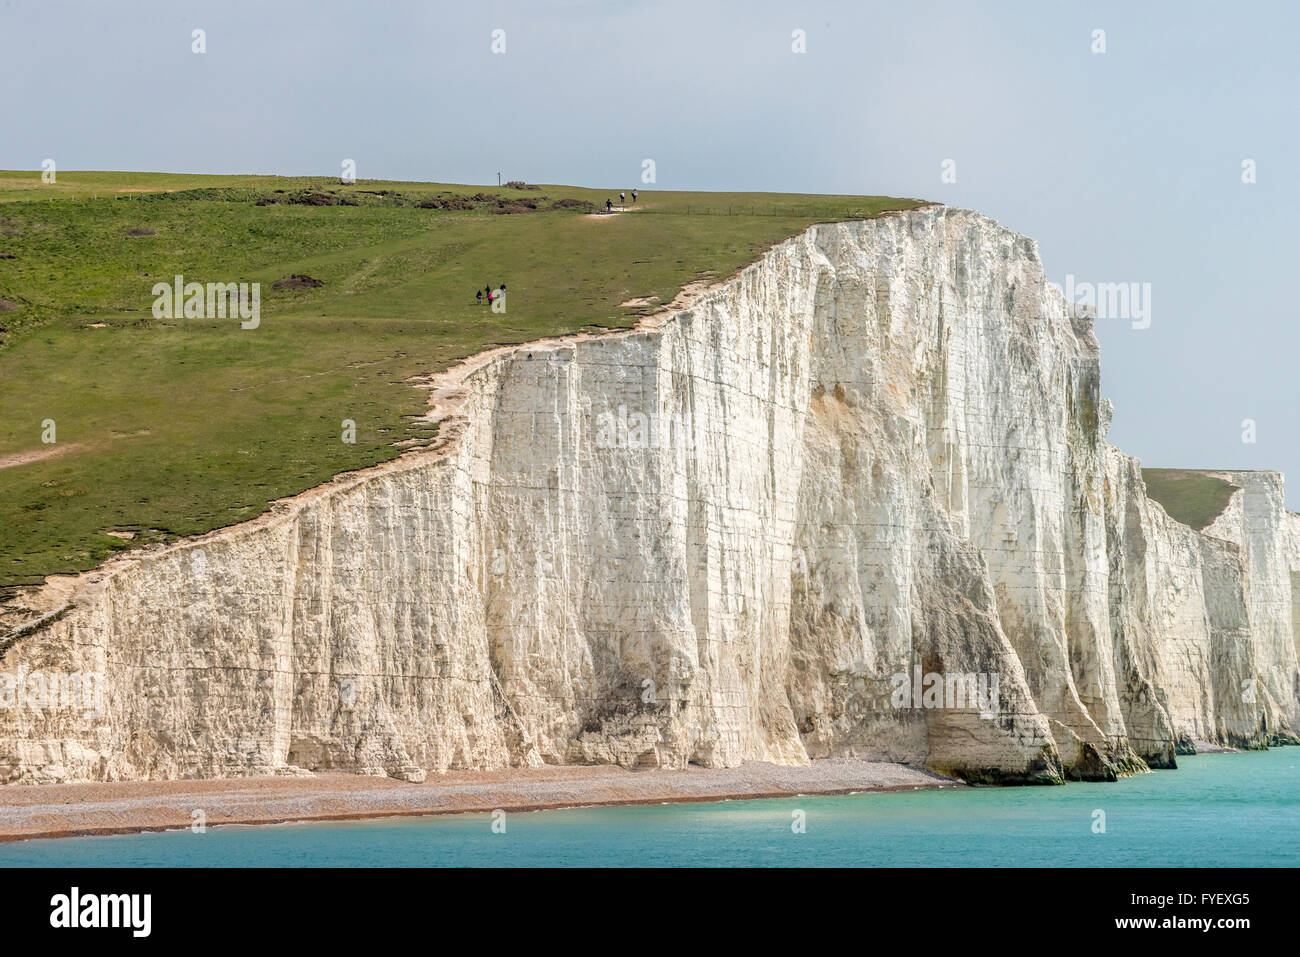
61 448
37 455
610 215
66 810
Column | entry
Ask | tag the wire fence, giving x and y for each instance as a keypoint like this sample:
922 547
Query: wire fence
790 212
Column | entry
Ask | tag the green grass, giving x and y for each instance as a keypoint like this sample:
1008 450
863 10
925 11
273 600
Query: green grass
1188 495
168 428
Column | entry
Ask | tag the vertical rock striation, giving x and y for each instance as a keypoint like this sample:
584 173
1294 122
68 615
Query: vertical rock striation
751 529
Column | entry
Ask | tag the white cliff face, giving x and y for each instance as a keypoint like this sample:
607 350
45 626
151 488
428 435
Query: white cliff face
1293 567
1182 627
1257 522
877 451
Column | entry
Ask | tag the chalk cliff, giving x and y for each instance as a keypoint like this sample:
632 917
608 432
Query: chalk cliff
878 451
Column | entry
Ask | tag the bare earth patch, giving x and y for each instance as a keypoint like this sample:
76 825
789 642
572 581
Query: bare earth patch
64 810
297 281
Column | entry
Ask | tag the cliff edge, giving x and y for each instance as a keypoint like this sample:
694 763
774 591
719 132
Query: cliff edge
855 501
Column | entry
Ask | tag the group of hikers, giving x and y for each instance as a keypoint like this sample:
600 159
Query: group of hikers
491 295
622 201
494 294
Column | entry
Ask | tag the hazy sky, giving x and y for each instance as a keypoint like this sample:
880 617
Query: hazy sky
1126 165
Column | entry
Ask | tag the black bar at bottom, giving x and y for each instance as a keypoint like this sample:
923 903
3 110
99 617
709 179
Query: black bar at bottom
396 907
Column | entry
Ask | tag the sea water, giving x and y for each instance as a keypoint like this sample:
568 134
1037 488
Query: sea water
1237 810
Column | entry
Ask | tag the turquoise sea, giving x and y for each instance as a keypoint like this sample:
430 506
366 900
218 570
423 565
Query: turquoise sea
1219 810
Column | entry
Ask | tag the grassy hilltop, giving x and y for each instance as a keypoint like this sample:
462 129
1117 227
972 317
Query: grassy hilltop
172 427
1189 495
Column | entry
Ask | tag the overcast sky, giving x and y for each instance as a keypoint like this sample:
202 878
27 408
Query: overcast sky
1125 165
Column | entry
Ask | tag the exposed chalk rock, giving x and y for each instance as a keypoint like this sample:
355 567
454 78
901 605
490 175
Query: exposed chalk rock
877 452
